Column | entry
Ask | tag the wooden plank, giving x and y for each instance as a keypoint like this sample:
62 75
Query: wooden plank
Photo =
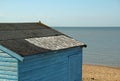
8 64
3 54
1 51
8 67
75 67
4 68
11 59
7 80
7 77
8 73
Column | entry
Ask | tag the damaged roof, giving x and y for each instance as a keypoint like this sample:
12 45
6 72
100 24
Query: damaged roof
33 38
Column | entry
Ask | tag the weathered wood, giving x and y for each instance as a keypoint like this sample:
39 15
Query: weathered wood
8 67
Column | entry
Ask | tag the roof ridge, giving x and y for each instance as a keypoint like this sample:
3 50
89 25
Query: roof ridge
21 29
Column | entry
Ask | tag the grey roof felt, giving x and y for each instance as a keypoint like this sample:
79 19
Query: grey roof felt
33 38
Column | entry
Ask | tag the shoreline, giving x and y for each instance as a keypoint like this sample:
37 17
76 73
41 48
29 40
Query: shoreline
115 67
100 73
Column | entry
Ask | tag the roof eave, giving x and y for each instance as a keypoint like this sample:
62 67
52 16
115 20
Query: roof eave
11 53
83 46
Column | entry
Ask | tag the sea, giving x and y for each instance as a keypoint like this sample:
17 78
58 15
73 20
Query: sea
103 44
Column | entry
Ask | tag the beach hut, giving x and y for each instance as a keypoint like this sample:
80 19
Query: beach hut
36 52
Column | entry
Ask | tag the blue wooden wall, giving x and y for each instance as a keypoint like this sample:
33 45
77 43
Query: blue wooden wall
75 68
8 67
52 66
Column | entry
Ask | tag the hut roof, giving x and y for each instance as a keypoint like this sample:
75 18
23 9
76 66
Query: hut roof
33 38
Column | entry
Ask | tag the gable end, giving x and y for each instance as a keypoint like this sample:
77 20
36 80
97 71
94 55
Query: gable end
11 53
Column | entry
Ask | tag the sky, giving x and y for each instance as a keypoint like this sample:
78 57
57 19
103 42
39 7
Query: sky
71 13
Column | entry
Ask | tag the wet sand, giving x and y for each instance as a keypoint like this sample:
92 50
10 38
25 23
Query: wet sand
100 73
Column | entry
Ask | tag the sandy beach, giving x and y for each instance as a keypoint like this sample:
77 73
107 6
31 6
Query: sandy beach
100 73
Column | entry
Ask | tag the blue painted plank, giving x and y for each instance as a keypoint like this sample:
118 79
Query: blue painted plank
7 80
8 77
3 54
4 59
0 51
8 67
8 72
8 64
75 67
